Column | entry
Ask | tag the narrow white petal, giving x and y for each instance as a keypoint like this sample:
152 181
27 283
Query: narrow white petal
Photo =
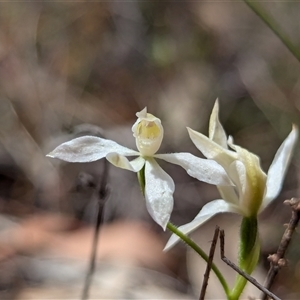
122 162
138 163
216 130
203 169
159 191
229 194
279 167
88 149
207 212
237 173
211 149
249 200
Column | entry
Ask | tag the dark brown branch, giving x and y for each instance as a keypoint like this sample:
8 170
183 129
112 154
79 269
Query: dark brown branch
277 260
238 270
209 263
102 192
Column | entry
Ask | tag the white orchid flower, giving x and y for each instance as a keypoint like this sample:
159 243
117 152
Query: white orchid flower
253 190
159 186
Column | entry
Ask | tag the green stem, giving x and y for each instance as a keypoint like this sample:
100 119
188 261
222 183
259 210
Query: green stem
196 248
274 26
142 180
248 253
238 288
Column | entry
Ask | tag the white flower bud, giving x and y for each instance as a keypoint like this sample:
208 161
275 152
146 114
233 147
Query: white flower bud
148 133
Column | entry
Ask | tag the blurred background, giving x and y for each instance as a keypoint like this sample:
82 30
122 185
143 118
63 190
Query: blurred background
69 69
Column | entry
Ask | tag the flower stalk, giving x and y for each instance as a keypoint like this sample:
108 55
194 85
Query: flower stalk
248 253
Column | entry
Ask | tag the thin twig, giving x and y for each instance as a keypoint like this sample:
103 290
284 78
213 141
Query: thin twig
238 270
277 260
102 196
209 263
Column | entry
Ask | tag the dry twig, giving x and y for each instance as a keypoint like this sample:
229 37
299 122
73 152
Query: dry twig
242 273
102 191
277 260
209 263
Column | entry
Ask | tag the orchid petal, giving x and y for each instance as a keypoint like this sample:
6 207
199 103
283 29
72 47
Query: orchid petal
203 169
238 174
122 162
159 191
216 130
212 150
229 194
88 149
207 212
279 167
